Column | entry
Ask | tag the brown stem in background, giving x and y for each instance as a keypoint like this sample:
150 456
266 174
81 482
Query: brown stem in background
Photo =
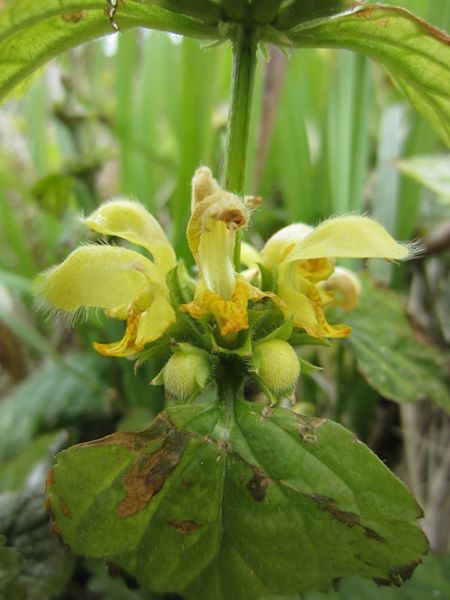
275 72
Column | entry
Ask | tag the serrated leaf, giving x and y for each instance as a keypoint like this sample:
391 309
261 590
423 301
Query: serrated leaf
272 503
430 580
34 31
415 54
398 363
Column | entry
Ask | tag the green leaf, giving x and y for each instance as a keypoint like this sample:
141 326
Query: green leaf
36 456
271 503
45 567
294 12
430 580
398 363
431 171
415 54
9 572
34 31
56 394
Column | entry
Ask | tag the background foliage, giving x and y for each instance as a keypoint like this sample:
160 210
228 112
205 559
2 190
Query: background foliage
135 114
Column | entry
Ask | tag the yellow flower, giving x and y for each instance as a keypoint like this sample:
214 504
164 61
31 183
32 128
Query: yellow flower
126 284
301 257
221 292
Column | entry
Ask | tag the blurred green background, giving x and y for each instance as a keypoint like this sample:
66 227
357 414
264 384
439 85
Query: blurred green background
134 114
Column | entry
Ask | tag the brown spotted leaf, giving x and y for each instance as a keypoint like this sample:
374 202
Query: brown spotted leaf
274 503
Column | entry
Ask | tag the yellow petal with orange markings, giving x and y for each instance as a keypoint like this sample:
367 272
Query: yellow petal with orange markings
231 315
303 302
211 234
307 313
349 237
124 347
97 276
131 221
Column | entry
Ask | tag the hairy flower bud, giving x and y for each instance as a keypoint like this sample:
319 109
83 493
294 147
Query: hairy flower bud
185 374
277 365
347 286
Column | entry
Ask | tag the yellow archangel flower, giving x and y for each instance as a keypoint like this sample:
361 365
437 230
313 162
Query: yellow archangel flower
216 215
301 258
126 284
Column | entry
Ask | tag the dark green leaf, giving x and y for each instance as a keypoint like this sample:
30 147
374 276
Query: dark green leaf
54 395
415 54
45 567
430 580
273 503
294 12
36 456
394 359
34 31
10 560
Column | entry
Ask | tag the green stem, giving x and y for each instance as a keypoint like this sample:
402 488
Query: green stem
244 63
229 388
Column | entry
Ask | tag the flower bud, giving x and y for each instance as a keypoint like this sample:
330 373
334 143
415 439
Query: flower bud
346 285
277 365
185 374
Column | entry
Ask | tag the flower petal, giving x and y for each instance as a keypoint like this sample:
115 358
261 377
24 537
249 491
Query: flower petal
124 347
131 221
278 247
211 235
231 315
346 284
154 322
307 313
350 236
97 276
203 185
250 257
142 328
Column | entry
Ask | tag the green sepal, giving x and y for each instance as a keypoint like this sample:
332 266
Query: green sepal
283 332
181 285
244 341
306 367
299 338
182 288
157 350
196 504
268 278
271 397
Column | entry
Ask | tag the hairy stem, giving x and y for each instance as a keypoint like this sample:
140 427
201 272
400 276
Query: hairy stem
229 388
